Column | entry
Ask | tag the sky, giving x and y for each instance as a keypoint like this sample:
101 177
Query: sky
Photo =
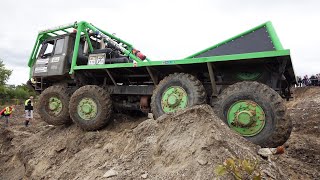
163 29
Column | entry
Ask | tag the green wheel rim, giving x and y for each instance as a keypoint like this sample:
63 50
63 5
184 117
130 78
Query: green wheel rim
174 98
87 109
55 105
246 117
248 76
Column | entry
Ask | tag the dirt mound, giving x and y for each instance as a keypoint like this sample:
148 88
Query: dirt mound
305 110
186 145
305 92
11 167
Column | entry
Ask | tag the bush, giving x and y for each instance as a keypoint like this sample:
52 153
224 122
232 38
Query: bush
20 92
240 169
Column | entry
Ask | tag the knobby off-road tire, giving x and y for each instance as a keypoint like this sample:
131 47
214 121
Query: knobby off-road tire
95 98
278 126
193 88
53 105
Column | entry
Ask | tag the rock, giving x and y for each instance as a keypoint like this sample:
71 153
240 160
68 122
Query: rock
150 115
108 147
97 146
110 173
60 149
48 126
144 176
265 152
202 161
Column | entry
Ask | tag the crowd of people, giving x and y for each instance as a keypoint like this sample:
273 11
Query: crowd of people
314 80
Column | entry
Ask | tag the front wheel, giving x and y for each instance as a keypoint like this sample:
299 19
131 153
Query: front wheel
90 107
53 105
255 111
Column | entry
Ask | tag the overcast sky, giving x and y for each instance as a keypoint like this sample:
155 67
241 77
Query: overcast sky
163 29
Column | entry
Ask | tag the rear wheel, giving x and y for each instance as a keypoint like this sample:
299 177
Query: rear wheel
255 111
177 91
90 107
53 105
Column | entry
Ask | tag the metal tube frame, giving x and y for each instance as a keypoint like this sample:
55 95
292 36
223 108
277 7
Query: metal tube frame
126 48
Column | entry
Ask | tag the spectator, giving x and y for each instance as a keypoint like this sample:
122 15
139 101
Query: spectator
299 81
305 80
7 113
28 108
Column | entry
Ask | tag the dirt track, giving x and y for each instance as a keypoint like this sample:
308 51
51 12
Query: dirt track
187 145
302 159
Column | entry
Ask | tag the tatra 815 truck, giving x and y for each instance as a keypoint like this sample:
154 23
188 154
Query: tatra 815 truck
84 73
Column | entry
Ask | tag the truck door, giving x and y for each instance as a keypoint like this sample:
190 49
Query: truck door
41 65
51 59
57 62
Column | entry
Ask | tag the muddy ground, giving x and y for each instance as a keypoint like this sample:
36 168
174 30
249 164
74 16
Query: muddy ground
187 145
302 159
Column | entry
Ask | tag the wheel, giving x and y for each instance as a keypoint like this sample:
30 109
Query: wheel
90 107
53 105
255 111
177 91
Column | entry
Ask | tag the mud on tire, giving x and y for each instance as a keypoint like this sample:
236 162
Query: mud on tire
58 118
193 87
103 105
277 127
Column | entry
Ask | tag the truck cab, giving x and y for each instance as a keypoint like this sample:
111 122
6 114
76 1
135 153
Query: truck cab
54 57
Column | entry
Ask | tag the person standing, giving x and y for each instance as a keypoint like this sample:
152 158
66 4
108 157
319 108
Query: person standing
299 81
28 108
7 113
304 81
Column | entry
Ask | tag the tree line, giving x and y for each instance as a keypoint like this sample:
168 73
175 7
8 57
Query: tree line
8 92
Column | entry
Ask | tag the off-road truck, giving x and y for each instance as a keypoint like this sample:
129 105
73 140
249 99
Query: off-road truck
85 73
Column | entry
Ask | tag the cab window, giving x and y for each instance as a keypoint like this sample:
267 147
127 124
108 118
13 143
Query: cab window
59 46
49 48
46 49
